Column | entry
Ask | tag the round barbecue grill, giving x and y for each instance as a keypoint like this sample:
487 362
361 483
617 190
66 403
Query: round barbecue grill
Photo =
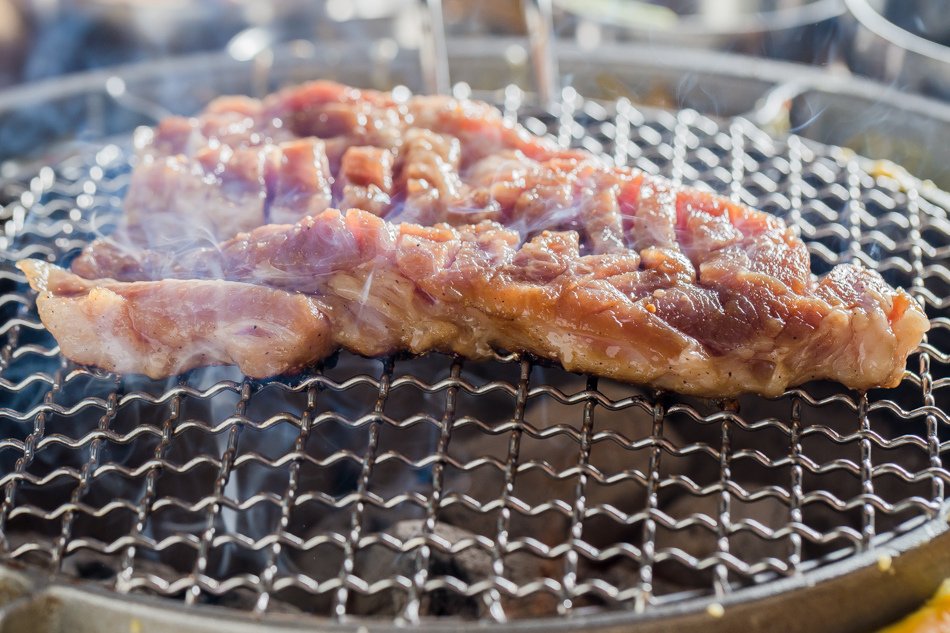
441 493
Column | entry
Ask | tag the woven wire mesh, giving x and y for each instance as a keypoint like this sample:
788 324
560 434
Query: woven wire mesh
416 487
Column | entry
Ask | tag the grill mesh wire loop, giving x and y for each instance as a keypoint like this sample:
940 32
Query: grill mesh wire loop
408 488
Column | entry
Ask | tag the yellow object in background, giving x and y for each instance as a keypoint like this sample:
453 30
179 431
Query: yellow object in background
933 617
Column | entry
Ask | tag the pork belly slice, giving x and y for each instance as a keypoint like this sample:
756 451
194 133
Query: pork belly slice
226 185
221 190
423 160
298 180
376 152
366 179
344 117
347 116
162 328
741 320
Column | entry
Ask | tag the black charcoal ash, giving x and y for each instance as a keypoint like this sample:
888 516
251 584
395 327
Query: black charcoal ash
695 536
470 563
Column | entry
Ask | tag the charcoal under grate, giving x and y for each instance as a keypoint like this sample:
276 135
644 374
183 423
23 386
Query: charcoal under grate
409 488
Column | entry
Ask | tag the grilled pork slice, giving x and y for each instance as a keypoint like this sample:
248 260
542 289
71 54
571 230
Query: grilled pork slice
243 162
166 327
220 191
344 117
603 268
730 308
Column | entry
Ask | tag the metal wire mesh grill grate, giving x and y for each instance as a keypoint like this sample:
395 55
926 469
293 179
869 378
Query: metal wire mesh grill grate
410 488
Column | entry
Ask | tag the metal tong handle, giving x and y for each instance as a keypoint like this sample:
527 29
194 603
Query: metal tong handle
433 53
539 18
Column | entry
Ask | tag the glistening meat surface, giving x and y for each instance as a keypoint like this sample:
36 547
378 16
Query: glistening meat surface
469 234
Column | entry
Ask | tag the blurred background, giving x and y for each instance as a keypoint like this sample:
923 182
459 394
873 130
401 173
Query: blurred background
903 42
